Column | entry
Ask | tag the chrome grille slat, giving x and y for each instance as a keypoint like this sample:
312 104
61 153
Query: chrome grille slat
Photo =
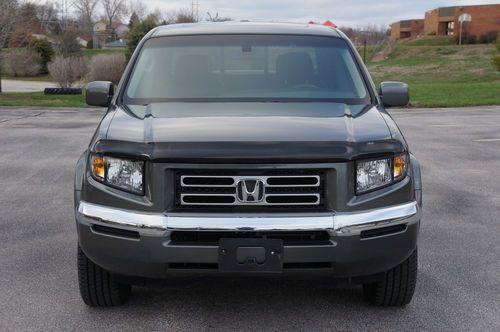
236 202
237 178
205 190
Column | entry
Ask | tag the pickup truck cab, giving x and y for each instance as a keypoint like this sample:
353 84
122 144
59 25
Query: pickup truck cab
247 148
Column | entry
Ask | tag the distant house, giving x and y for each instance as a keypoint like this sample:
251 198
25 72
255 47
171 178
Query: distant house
100 27
83 43
105 34
42 36
122 31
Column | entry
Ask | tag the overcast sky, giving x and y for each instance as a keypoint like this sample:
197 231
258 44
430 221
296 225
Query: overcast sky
342 12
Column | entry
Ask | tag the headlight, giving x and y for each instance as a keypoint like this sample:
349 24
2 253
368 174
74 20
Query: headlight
121 173
373 174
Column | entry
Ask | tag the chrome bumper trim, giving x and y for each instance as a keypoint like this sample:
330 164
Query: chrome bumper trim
110 215
338 224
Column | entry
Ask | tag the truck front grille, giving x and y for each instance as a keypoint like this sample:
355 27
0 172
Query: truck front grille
250 189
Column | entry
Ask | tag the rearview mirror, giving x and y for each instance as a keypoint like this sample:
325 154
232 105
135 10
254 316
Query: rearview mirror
394 94
99 93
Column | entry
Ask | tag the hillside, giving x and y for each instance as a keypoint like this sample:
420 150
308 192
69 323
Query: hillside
442 75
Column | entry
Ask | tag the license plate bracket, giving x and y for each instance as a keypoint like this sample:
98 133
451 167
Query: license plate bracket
251 255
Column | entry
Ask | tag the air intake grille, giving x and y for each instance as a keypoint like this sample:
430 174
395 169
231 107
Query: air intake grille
250 190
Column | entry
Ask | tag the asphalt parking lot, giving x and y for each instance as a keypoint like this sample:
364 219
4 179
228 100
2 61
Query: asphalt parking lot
459 265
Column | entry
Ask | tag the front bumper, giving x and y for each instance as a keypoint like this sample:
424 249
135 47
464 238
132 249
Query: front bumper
151 253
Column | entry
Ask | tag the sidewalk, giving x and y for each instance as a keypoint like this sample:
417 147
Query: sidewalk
25 86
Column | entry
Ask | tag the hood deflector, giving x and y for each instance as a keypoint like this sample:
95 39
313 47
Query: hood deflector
250 152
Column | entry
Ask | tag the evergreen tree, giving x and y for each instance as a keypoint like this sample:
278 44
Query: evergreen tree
134 20
137 33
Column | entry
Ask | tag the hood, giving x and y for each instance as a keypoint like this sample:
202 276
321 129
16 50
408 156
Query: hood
250 131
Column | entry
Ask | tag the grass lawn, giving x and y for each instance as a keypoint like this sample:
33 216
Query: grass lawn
91 52
371 50
442 75
454 94
40 100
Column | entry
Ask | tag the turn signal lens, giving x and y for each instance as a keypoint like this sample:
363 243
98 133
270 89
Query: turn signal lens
400 166
120 173
98 167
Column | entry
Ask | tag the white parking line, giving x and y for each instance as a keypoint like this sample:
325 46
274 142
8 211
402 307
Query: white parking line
487 140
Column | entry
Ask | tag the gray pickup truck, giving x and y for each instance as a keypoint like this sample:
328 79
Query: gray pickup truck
247 148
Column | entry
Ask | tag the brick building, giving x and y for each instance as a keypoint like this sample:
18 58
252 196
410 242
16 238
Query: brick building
407 29
444 21
485 24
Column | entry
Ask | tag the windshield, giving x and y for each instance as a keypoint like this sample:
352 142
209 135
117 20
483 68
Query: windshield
269 68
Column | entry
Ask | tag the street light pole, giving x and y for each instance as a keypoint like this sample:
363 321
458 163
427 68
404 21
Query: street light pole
462 19
461 28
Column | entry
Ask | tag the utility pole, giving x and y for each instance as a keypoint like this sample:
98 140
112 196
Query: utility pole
195 7
364 51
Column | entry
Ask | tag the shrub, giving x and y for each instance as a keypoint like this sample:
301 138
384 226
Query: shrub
44 48
19 38
107 67
66 71
137 33
90 44
496 62
23 62
498 43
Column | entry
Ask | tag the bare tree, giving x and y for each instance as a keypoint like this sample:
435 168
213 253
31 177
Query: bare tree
372 34
113 10
86 9
64 6
217 18
8 15
138 7
47 14
181 16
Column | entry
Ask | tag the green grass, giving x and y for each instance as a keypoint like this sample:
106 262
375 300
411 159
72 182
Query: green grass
432 41
454 94
38 99
442 75
371 50
92 52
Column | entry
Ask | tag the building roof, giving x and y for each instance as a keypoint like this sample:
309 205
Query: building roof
114 25
244 27
408 21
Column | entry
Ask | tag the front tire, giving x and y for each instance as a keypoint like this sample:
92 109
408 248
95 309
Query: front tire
98 287
397 287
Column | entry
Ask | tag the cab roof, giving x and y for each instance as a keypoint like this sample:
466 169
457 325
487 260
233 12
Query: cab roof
244 27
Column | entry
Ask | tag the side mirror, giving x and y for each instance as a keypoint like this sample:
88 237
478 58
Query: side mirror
394 94
99 93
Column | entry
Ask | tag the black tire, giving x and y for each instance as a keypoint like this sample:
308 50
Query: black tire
98 287
397 287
